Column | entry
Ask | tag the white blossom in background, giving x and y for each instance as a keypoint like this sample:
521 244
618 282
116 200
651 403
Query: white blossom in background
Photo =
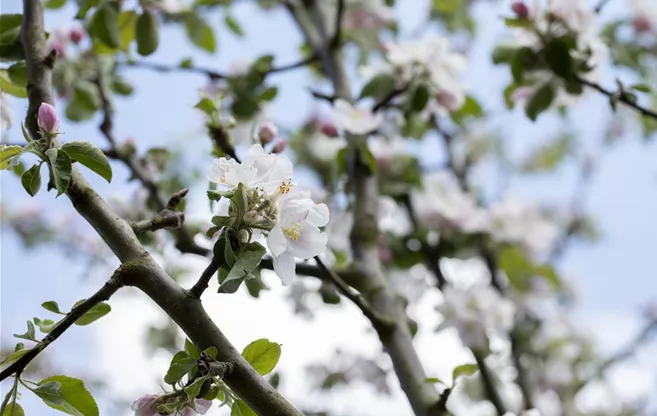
411 283
6 112
244 132
442 204
356 120
338 230
644 15
393 218
531 412
522 222
324 148
384 150
296 217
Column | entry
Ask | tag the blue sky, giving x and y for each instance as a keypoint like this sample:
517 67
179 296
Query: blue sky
613 276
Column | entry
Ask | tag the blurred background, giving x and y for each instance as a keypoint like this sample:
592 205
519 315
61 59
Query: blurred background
50 253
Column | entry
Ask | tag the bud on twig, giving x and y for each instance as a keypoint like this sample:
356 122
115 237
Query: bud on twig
280 146
267 132
520 9
47 119
76 34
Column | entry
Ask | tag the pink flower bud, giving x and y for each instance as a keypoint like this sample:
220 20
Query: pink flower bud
280 146
520 9
267 131
145 406
642 24
47 118
76 34
447 100
328 128
57 46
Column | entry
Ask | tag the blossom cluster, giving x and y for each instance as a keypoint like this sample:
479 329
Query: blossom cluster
147 406
288 217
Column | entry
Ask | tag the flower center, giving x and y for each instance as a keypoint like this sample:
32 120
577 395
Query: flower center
293 232
285 187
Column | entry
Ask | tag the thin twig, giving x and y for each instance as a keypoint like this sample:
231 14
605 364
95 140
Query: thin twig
600 6
110 287
378 321
167 218
620 97
388 98
204 281
336 42
489 384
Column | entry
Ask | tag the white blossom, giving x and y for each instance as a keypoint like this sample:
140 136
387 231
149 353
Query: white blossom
355 120
324 148
522 222
297 234
6 112
443 204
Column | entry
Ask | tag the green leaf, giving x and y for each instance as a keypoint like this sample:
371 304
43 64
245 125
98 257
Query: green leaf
61 166
240 408
207 105
31 179
77 400
212 393
8 154
26 135
211 351
368 157
50 392
433 380
148 33
548 157
18 74
46 325
419 98
521 61
641 87
558 58
30 334
504 54
13 409
200 33
186 63
10 28
14 356
52 306
233 25
191 349
446 6
247 261
181 364
104 26
194 389
121 87
540 101
464 370
470 109
379 87
518 22
76 111
89 155
6 85
86 94
94 313
263 355
55 4
269 94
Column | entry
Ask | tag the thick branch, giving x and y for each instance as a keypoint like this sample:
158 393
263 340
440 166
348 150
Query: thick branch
184 309
373 283
110 287
620 97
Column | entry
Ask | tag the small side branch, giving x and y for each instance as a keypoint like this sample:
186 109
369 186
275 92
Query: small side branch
167 218
378 321
620 97
489 384
110 287
204 281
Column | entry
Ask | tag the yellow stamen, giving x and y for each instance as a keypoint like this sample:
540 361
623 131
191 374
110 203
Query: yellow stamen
294 232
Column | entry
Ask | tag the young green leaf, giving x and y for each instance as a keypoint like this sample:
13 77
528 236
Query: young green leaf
233 25
207 106
379 87
191 349
10 28
540 101
433 380
77 400
104 25
148 33
89 155
200 33
61 166
195 388
14 356
263 355
50 392
241 409
18 74
55 4
558 58
464 370
46 325
94 314
247 261
13 409
52 306
31 179
269 94
30 334
181 364
7 86
7 155
211 352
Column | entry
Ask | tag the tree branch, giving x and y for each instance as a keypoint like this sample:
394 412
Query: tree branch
186 311
489 384
620 97
204 281
379 321
167 218
373 283
110 287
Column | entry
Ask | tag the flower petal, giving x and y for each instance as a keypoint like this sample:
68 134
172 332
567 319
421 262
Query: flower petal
311 242
276 241
318 215
285 267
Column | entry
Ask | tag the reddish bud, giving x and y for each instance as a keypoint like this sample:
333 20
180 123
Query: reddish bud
280 146
642 24
520 9
267 132
47 118
57 46
76 35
